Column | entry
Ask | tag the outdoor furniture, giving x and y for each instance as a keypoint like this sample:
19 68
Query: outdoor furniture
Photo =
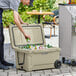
40 13
53 23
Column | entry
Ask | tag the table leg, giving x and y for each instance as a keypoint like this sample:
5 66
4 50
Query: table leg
38 19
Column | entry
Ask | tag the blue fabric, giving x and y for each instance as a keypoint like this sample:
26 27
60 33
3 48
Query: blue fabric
70 1
31 2
1 11
56 12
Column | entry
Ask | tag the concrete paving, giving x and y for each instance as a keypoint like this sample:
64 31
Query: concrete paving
10 57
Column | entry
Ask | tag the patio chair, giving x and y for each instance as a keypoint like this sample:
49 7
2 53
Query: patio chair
54 22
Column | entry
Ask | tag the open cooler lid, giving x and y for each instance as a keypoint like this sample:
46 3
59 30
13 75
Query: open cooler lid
35 32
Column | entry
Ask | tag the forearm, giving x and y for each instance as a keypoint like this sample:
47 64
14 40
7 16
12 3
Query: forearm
20 27
21 21
18 23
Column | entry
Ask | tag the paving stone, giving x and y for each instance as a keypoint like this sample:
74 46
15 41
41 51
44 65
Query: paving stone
67 74
64 66
40 72
65 69
56 71
10 70
47 75
35 74
73 73
21 71
43 75
26 74
59 75
74 69
1 70
13 74
3 74
47 71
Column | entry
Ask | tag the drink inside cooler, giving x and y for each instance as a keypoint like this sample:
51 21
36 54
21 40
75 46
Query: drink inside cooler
35 47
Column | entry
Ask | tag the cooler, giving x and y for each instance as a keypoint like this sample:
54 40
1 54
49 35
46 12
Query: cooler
33 59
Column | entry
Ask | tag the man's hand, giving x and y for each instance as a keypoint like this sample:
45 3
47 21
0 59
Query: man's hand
27 37
21 21
25 2
25 23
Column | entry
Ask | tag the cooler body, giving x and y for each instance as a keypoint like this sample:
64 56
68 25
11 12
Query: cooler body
37 60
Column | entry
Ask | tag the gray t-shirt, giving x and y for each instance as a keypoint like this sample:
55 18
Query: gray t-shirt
10 4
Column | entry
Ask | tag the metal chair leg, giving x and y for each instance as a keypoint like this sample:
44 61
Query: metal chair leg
50 31
54 31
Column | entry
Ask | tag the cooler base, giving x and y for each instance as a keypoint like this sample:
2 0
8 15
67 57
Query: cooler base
37 61
39 67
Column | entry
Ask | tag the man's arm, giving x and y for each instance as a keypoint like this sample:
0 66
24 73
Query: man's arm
18 23
21 21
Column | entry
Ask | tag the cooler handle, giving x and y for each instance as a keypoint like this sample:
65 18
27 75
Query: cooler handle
18 59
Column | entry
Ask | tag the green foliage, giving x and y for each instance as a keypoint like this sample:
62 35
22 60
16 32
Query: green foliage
7 18
51 3
37 4
46 5
64 2
48 18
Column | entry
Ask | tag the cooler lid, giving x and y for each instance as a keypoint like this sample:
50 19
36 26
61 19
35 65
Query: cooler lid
35 32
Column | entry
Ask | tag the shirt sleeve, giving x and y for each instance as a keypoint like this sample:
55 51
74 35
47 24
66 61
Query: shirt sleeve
14 4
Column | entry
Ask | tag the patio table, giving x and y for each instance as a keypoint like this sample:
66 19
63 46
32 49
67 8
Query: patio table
39 13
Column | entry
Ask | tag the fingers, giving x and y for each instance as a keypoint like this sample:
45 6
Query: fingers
26 23
27 37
